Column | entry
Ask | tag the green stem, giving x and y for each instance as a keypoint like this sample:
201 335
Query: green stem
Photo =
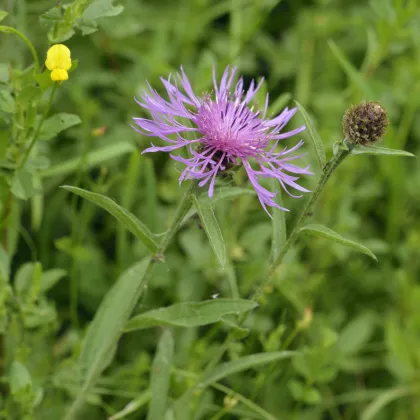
183 207
38 128
330 167
9 29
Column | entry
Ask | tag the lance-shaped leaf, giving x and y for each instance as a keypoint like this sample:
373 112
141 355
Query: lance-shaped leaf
222 193
279 235
376 150
131 223
313 134
324 232
106 328
208 219
160 377
190 314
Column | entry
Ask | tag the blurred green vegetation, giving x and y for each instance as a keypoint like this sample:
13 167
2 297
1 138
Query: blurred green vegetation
355 322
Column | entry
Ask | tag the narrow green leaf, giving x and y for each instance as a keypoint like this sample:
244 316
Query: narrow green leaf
222 193
132 406
208 219
134 225
3 14
229 368
278 224
313 134
151 194
92 159
225 193
353 74
160 377
190 314
324 232
376 150
386 398
106 328
58 123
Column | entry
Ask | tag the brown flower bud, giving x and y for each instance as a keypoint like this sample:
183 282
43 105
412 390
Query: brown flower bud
365 123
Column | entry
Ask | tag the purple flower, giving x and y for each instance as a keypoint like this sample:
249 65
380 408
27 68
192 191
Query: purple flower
228 132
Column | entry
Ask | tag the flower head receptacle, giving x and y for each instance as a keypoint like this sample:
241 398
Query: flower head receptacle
58 62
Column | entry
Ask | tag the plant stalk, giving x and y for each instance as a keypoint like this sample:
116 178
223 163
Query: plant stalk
181 211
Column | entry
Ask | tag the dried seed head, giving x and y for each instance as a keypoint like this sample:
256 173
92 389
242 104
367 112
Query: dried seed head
365 123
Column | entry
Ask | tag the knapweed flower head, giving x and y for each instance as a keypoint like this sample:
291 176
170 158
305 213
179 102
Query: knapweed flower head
59 62
228 132
365 123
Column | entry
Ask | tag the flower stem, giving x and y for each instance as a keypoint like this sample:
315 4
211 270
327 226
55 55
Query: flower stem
38 128
183 207
330 167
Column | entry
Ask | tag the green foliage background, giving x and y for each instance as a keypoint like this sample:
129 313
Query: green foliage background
359 342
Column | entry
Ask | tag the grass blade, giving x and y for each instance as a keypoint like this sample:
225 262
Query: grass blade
353 74
313 134
384 399
160 377
279 225
229 368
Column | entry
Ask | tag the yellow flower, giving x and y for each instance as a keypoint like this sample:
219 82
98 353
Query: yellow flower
58 61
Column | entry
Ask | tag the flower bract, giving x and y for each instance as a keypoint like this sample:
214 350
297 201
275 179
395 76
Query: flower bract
221 130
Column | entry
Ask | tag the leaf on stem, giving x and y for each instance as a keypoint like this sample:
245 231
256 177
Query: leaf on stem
190 314
313 134
107 326
324 232
209 221
130 222
376 150
58 123
160 377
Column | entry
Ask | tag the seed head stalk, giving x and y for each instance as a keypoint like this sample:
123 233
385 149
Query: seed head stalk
329 169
